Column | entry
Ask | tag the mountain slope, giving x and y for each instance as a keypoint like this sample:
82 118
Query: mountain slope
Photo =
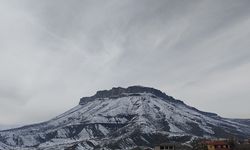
123 118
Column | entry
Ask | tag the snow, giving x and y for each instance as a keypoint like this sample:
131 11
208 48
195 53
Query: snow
86 134
148 113
175 129
103 130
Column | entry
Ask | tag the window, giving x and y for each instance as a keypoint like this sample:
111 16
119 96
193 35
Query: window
170 147
162 147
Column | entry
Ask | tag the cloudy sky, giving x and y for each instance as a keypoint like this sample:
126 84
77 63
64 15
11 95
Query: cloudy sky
52 53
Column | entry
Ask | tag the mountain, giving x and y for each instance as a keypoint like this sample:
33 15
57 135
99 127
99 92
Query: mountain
123 118
5 127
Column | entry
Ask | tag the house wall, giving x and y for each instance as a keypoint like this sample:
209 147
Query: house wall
221 147
210 147
159 147
243 147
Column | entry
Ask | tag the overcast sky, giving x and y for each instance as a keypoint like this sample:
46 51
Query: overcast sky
53 52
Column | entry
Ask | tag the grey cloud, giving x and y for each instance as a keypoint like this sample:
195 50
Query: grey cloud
54 52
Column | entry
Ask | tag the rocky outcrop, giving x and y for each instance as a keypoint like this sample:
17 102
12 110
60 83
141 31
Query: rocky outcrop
117 92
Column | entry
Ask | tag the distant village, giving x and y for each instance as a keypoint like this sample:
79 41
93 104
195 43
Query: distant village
203 144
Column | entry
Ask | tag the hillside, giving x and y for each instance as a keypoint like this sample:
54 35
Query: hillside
123 118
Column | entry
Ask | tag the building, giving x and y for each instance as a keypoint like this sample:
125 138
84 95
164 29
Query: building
172 146
218 145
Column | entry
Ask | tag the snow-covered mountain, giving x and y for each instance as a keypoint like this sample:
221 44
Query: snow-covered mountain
123 118
5 127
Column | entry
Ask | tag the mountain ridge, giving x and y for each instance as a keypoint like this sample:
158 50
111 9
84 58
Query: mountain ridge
122 118
116 92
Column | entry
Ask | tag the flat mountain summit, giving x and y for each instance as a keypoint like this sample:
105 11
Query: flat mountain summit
123 118
117 92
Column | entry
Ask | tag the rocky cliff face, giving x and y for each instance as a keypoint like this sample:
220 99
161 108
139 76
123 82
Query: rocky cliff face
118 92
123 118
